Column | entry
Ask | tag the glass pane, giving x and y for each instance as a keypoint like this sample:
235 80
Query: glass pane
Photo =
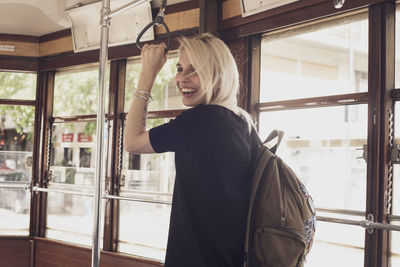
75 92
70 217
324 147
15 85
337 245
396 189
149 172
72 166
144 226
397 65
16 144
395 250
73 153
395 236
165 94
396 167
144 229
325 60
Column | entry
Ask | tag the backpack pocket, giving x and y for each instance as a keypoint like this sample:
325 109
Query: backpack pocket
278 248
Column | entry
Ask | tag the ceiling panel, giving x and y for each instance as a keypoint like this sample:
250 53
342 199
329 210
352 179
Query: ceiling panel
41 17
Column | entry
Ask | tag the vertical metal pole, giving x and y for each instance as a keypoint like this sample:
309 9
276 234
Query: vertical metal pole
105 23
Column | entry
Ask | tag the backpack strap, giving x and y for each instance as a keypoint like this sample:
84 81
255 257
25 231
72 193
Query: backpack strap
264 155
275 133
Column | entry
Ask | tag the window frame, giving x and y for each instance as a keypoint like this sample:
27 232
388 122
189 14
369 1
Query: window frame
380 88
20 66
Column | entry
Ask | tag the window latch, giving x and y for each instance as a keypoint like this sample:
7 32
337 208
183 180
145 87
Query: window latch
338 3
395 154
365 152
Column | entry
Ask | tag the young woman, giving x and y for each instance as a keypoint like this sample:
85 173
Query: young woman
213 143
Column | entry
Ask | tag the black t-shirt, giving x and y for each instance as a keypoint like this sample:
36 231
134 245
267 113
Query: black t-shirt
212 148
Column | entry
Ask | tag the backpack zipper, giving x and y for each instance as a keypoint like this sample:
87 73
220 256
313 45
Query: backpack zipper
301 237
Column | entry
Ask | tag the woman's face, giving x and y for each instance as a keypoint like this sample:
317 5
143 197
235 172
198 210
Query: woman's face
188 82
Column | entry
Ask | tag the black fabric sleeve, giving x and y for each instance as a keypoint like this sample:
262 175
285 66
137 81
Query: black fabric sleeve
174 135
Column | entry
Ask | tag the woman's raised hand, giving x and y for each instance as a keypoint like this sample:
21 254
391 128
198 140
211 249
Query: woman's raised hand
153 59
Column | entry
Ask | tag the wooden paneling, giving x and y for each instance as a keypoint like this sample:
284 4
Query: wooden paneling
15 252
381 81
55 35
67 60
116 107
19 38
24 46
17 102
247 52
293 14
37 153
46 111
239 49
19 63
22 49
109 259
254 73
239 20
51 253
210 12
57 46
114 53
180 21
178 7
230 9
56 254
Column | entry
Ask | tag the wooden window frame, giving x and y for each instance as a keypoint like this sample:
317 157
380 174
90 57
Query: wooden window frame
380 99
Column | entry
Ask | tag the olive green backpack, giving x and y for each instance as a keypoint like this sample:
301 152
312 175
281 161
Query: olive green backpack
281 219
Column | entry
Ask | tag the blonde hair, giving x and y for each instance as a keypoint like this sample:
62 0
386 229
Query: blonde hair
216 68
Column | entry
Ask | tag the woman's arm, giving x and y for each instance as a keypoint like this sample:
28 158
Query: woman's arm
136 138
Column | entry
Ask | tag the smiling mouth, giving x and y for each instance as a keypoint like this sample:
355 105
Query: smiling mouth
188 91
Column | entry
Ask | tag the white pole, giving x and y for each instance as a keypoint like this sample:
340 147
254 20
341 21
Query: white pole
103 57
105 18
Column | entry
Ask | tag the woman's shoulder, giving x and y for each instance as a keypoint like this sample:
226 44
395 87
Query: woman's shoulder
202 117
210 109
214 117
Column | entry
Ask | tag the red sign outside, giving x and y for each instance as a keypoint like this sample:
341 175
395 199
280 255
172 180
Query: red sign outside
84 137
68 137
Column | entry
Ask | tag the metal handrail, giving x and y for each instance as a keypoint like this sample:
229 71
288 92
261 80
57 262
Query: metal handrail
337 220
319 218
342 211
383 226
394 217
137 199
14 186
69 187
50 190
363 223
146 193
